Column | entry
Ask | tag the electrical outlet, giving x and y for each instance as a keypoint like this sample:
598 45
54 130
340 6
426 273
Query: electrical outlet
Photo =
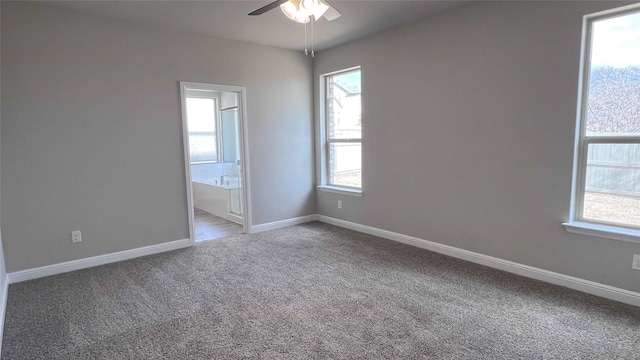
76 236
636 262
339 204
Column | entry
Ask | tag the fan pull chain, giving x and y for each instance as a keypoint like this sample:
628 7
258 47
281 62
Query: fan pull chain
306 52
313 54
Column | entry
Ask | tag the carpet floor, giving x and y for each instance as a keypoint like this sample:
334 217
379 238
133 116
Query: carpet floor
312 291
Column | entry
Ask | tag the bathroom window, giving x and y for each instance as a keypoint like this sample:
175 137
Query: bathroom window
343 129
202 115
606 194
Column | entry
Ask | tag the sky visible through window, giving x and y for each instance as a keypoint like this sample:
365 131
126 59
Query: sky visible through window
350 80
616 41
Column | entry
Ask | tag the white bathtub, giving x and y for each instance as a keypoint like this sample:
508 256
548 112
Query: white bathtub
220 200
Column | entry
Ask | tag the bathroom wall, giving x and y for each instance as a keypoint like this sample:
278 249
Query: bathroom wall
210 173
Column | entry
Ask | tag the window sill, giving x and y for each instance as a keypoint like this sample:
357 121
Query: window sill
603 231
340 190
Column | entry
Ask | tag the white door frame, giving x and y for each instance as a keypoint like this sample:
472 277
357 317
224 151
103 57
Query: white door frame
244 150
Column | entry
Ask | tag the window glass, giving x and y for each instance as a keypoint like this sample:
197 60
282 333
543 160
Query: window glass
611 145
201 117
614 81
345 120
612 189
345 159
344 129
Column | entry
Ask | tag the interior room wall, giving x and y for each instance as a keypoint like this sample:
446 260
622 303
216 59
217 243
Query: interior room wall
92 137
468 130
4 286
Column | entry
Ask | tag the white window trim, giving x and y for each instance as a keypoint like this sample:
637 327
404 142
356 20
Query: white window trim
323 141
603 231
577 224
340 190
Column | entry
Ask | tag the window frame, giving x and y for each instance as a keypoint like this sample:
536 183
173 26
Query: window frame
577 223
326 142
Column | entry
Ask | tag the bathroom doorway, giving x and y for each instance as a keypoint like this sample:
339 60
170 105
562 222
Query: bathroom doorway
213 119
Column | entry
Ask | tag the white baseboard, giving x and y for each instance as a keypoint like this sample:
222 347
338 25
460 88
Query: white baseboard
4 295
282 223
590 287
4 291
73 265
235 218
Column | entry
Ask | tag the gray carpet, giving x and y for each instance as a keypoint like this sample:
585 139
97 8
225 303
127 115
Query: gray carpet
312 291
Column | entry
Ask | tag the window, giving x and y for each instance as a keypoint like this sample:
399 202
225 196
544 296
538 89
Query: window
343 130
607 179
203 140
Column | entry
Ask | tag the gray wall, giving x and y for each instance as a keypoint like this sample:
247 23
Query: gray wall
3 271
468 129
91 131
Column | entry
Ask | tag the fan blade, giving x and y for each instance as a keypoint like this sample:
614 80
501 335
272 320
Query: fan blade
268 7
332 13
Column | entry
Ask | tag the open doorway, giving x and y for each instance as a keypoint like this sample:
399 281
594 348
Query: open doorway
215 159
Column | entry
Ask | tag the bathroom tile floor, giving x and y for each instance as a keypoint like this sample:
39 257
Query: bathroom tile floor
209 226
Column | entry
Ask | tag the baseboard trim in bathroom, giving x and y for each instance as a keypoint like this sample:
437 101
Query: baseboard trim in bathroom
282 223
39 272
235 218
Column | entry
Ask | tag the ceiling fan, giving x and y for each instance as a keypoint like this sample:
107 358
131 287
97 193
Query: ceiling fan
302 10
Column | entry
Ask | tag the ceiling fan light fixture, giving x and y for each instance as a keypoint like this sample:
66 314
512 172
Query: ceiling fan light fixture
301 11
307 6
302 18
290 9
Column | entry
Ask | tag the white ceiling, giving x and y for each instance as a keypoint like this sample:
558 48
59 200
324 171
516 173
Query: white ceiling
229 19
